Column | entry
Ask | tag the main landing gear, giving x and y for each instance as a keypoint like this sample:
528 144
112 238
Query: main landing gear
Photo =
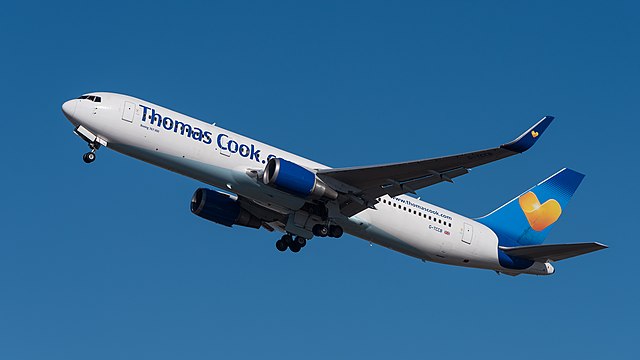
296 243
322 230
91 155
293 244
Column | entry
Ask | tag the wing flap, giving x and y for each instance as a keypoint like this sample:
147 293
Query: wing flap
552 252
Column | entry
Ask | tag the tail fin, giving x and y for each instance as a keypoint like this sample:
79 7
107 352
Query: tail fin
527 219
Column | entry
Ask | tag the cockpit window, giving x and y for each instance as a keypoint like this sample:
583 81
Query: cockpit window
91 98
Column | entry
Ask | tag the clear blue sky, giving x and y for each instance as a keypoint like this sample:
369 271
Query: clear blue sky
106 261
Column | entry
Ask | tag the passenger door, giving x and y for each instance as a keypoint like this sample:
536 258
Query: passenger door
128 111
467 234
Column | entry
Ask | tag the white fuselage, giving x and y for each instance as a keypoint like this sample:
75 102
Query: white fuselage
227 160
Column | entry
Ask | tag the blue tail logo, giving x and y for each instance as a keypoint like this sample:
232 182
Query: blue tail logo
527 219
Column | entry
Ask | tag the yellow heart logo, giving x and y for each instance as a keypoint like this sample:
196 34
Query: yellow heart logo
534 134
539 216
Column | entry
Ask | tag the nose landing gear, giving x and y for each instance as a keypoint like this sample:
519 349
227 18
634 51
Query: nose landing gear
92 140
91 155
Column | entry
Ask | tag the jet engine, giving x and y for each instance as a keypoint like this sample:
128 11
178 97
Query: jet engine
221 208
295 179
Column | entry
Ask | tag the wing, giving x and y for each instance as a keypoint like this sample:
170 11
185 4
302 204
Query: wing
360 186
552 252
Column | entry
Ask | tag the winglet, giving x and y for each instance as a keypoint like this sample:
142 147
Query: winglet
529 137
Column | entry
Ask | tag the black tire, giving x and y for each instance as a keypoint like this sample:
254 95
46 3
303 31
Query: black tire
89 157
300 241
320 230
281 245
336 231
294 247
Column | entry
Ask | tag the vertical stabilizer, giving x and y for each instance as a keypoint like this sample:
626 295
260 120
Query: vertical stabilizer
527 219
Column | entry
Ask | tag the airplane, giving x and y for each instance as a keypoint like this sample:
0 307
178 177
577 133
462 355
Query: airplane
259 186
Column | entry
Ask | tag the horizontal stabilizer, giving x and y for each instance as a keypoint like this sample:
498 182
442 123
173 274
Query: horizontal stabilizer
552 252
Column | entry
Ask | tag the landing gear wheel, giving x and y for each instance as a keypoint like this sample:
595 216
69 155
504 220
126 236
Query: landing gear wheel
281 245
320 230
294 247
300 241
335 231
89 157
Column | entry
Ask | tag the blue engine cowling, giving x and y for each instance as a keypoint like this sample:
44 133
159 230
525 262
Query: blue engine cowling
221 208
295 179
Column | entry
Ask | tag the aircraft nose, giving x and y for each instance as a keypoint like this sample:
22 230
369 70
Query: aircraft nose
69 108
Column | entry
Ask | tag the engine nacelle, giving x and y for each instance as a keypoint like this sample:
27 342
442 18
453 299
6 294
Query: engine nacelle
222 209
296 180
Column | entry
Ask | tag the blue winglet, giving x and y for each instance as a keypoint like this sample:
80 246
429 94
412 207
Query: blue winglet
529 137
